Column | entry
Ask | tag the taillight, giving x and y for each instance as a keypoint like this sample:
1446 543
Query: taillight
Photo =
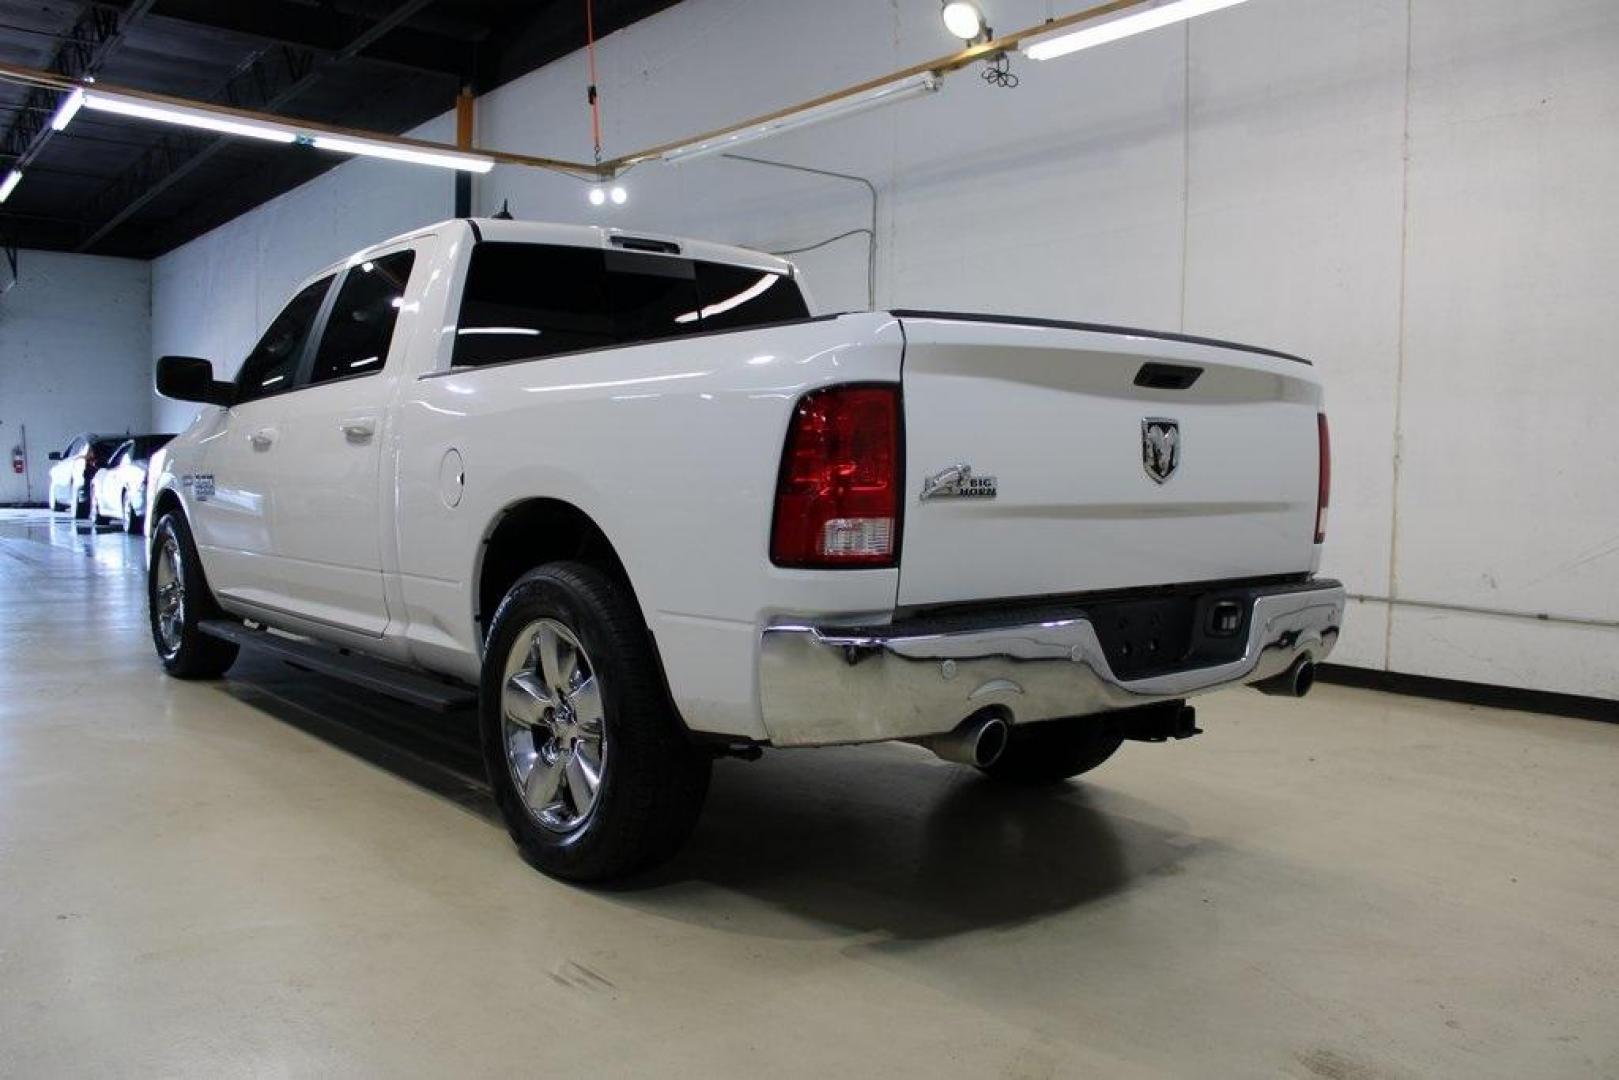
1324 485
837 500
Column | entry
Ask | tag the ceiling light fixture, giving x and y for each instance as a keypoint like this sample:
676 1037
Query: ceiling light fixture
66 111
597 196
185 116
964 20
1165 13
618 195
268 130
10 184
727 139
374 148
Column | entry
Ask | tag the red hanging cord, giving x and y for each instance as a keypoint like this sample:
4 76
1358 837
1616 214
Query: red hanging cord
595 99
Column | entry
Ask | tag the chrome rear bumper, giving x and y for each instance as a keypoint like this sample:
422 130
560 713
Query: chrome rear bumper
820 686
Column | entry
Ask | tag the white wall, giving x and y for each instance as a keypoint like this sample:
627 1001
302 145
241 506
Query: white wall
75 355
1415 193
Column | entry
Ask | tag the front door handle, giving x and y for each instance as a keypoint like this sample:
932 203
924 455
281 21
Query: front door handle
262 438
359 428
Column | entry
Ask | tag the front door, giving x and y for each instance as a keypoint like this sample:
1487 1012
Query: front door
230 493
328 487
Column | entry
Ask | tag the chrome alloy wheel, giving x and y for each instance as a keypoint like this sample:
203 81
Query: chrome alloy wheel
170 595
554 729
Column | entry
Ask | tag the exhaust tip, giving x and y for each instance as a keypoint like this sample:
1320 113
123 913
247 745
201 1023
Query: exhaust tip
1296 681
991 742
1303 677
979 740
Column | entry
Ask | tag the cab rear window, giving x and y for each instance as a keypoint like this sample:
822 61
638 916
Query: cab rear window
524 301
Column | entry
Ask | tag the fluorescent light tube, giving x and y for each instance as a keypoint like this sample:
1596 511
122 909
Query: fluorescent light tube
368 148
1088 37
10 183
67 110
903 90
187 117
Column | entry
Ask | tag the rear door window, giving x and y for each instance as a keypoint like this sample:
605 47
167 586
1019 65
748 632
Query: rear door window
272 365
360 328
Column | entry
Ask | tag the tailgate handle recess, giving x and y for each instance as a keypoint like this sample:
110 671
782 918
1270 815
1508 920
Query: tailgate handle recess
1156 376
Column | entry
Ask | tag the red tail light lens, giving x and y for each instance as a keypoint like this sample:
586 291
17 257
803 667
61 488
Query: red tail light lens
837 501
1324 487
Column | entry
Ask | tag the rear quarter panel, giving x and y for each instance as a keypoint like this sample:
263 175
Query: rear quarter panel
672 448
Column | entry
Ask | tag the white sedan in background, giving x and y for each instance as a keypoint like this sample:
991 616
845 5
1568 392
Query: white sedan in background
118 491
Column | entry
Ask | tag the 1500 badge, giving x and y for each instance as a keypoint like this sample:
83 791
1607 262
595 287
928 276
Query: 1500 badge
958 482
201 485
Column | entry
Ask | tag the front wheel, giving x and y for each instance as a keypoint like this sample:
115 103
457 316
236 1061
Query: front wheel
589 764
178 601
1048 753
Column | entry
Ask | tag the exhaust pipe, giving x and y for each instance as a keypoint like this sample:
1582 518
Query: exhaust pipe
1296 681
978 740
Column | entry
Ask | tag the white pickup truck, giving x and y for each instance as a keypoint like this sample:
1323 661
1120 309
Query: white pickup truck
656 509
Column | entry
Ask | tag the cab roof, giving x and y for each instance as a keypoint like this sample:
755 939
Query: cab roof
504 230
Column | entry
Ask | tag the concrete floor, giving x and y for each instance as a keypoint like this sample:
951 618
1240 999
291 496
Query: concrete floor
275 875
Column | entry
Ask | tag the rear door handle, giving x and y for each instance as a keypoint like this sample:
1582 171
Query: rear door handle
359 428
262 438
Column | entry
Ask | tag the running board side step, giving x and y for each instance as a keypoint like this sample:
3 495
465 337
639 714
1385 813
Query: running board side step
423 691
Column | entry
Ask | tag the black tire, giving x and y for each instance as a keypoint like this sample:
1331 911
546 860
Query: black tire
131 520
187 653
79 503
1049 753
652 778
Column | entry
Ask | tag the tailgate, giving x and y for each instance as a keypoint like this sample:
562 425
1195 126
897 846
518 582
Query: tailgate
1202 467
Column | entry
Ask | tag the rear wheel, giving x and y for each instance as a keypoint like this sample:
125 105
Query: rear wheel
132 520
79 502
178 601
1048 753
591 768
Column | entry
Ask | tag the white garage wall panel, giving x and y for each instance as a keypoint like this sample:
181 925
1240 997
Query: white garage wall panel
1509 484
75 355
1415 193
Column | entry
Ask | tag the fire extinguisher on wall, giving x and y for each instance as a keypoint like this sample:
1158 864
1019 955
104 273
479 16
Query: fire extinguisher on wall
19 460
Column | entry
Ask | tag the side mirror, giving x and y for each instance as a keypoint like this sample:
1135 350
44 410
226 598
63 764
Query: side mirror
187 378
55 455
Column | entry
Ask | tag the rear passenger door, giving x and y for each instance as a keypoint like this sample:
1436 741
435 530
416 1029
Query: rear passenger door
328 487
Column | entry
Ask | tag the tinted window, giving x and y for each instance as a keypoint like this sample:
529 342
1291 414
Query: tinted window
270 367
651 296
104 448
119 454
736 297
528 300
525 300
361 325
